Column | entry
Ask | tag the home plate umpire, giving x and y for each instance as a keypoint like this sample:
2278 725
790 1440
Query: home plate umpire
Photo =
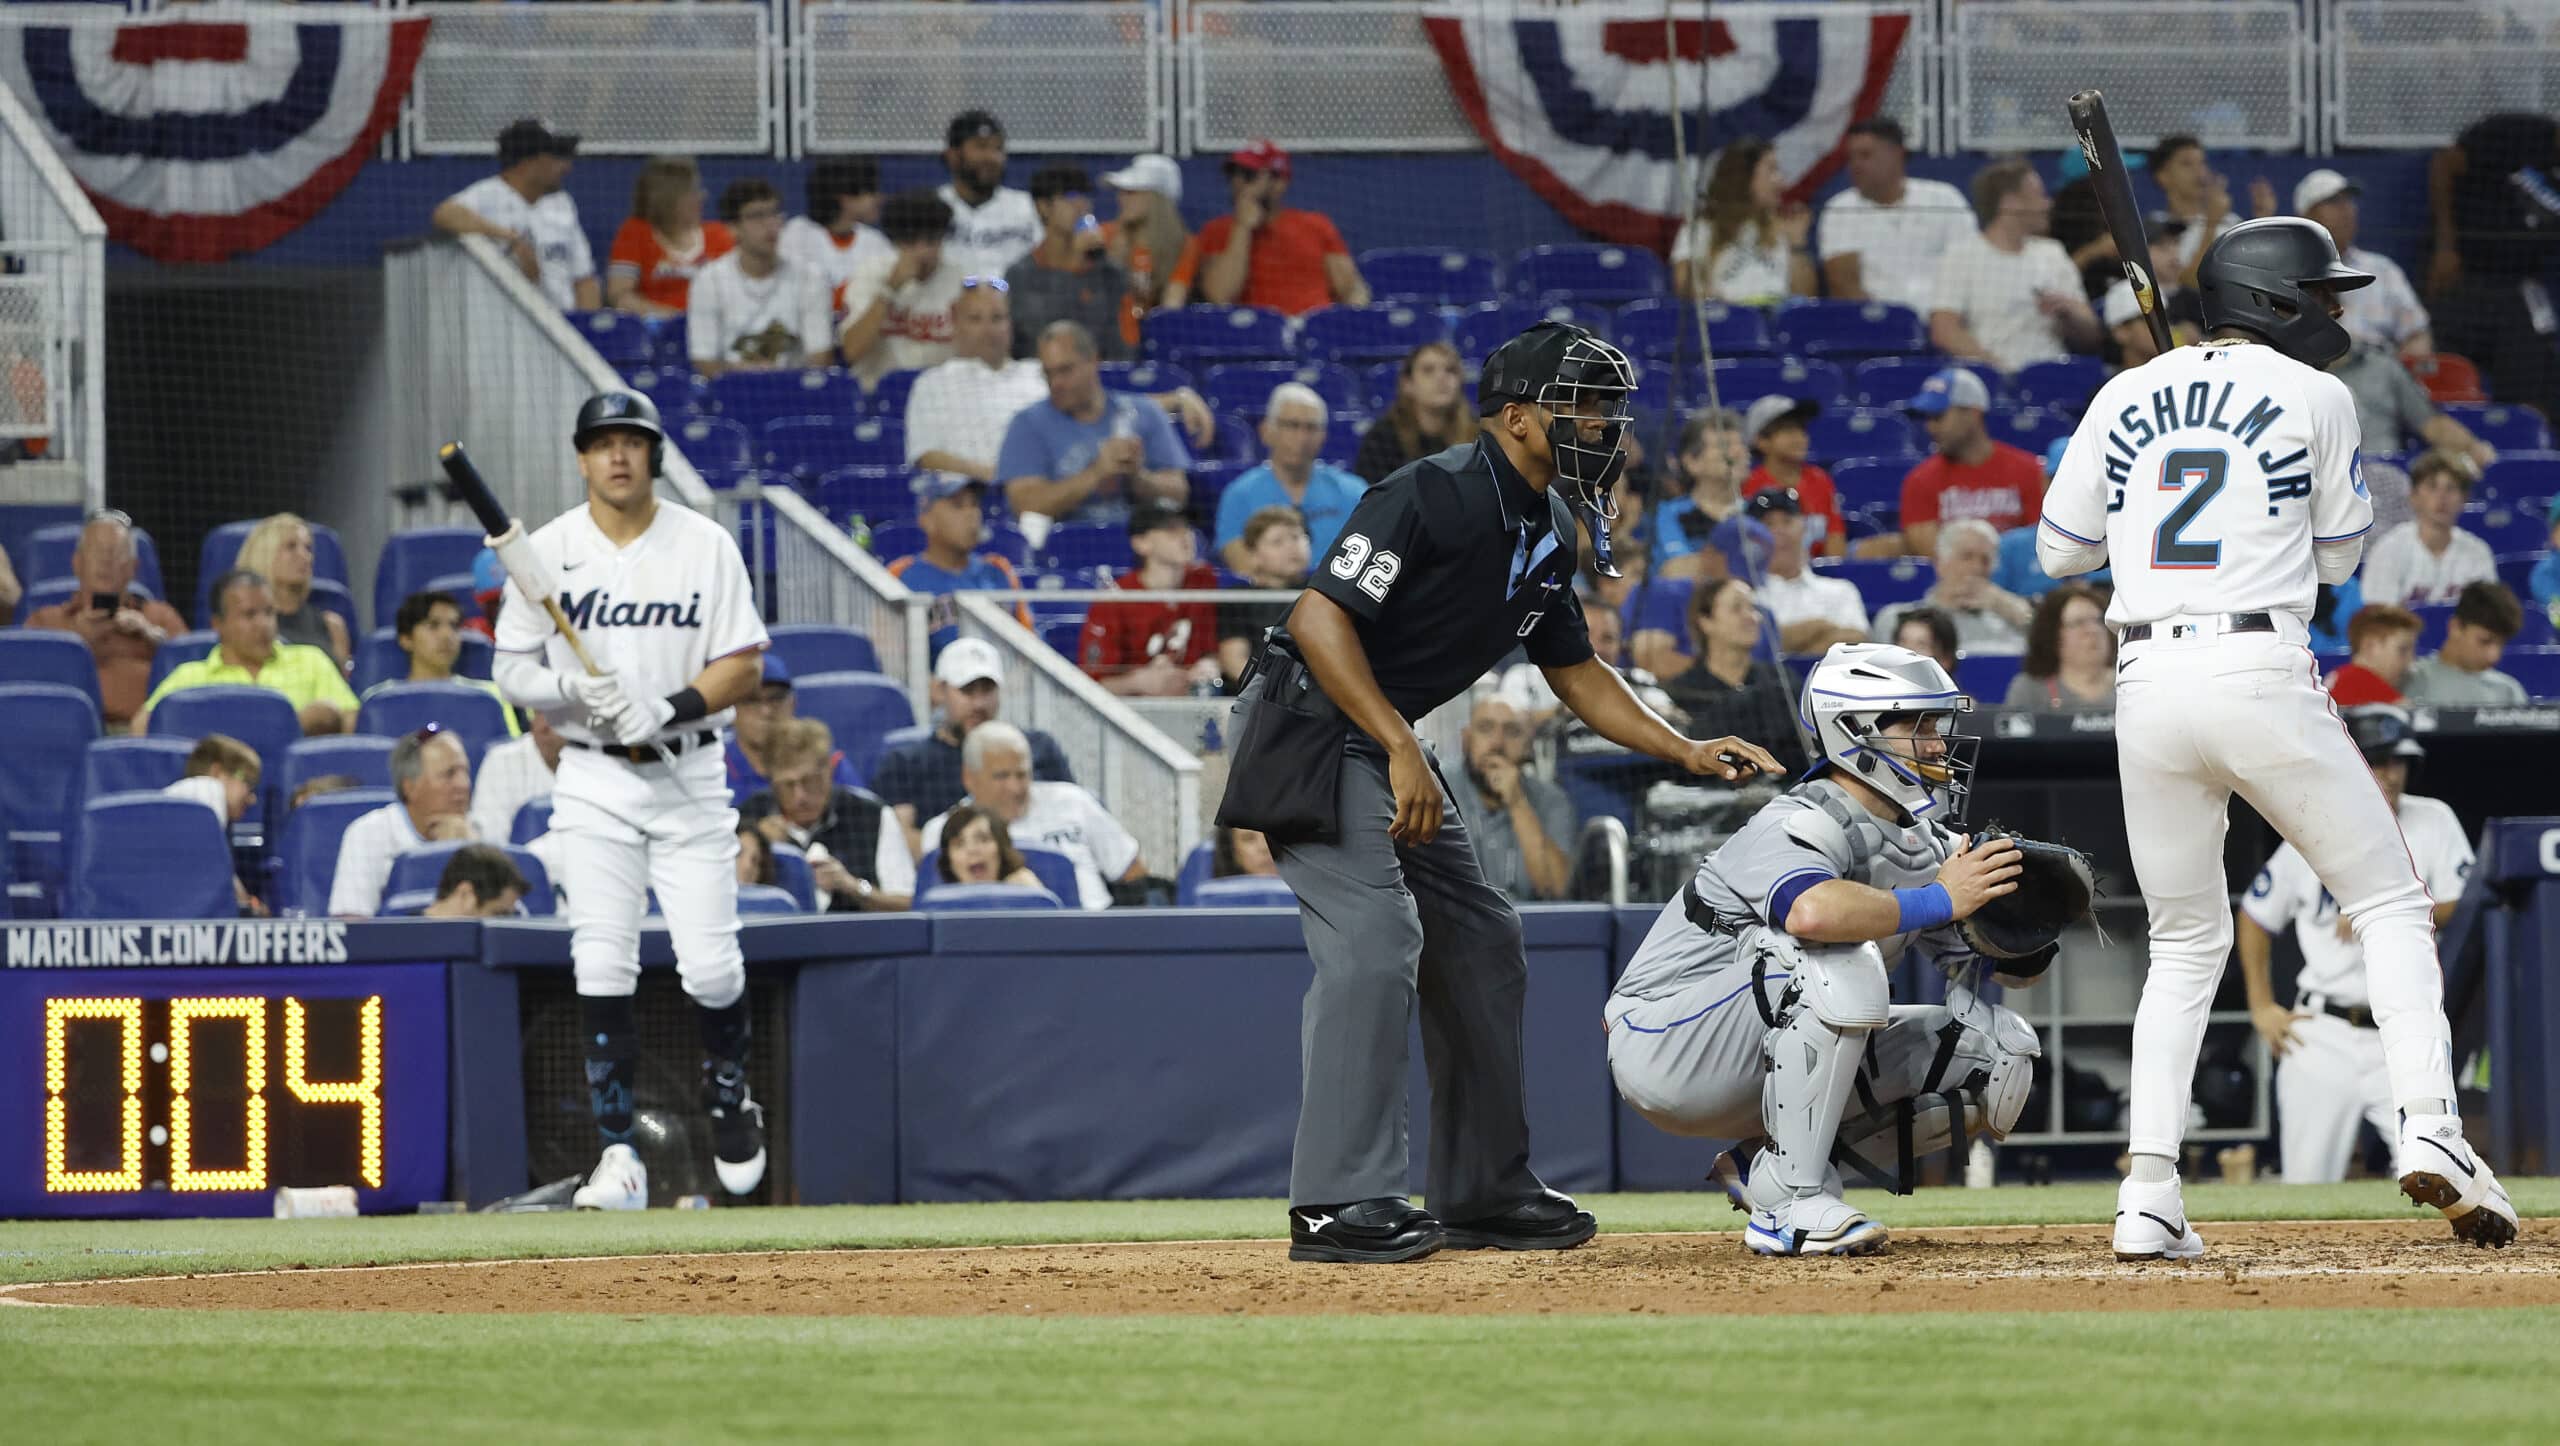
1440 572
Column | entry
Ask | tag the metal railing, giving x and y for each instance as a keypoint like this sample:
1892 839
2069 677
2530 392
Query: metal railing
52 321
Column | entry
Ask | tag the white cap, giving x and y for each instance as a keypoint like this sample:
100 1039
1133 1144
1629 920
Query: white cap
1148 173
2120 306
968 660
2321 185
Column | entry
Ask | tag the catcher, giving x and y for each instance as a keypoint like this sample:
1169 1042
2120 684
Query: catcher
1758 1010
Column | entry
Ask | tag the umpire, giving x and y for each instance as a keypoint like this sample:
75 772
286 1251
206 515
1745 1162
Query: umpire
1441 571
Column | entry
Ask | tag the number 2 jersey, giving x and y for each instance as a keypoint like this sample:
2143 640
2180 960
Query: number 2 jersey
2214 475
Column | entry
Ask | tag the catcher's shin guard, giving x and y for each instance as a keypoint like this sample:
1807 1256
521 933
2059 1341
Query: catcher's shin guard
1837 996
1975 1078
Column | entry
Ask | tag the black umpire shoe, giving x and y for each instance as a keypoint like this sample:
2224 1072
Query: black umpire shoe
1365 1232
1550 1222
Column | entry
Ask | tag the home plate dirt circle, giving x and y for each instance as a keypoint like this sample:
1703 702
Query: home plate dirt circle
2247 1266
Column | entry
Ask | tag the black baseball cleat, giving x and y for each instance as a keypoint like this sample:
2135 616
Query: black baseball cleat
1366 1232
737 1126
1549 1222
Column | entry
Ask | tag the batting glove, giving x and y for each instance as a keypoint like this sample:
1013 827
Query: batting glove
641 721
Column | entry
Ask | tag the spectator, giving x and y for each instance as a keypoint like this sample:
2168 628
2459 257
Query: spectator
1988 619
1608 629
897 303
752 729
1971 475
1429 414
957 412
1291 475
279 550
222 774
1276 557
123 628
325 784
1070 275
1156 649
246 651
2079 224
1813 612
842 229
2395 414
1927 631
664 242
1148 237
2071 655
478 882
1524 829
1744 242
922 779
2009 294
858 855
1241 853
2491 194
2463 670
2199 198
951 510
2429 558
1086 454
515 773
1775 426
756 309
755 858
523 209
1713 461
432 776
10 588
996 767
2122 312
1264 253
1881 238
2545 580
428 628
992 225
2382 639
1727 689
978 849
2388 314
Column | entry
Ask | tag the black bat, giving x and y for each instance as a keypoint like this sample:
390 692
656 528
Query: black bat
473 489
510 543
2115 202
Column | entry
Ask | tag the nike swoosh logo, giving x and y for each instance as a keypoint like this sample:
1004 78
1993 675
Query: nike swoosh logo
571 566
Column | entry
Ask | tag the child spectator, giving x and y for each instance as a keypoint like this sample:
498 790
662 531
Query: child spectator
1743 243
977 848
222 774
897 305
478 882
2545 580
951 510
755 856
664 242
1430 413
842 228
2383 641
1775 427
1156 649
2429 558
1713 461
1242 853
1276 556
996 769
429 629
2463 671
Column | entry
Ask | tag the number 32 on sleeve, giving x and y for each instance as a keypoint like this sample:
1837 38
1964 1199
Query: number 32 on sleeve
1354 554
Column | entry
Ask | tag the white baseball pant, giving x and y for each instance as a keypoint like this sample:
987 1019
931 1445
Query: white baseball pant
632 827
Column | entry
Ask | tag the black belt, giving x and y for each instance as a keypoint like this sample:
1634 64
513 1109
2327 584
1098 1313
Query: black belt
2231 623
663 751
2359 1015
1712 922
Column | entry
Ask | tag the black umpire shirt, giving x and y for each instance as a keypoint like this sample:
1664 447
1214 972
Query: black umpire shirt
1447 566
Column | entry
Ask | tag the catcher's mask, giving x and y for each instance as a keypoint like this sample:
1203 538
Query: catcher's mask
1856 691
1577 378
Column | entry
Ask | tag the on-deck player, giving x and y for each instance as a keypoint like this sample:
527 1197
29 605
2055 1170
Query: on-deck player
2223 482
2329 1074
641 801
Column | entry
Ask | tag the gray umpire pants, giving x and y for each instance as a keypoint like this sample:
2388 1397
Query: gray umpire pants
1390 926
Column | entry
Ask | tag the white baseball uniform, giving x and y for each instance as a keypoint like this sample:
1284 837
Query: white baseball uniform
655 613
2333 1076
2221 481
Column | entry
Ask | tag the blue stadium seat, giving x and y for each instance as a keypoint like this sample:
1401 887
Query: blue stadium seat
1149 377
1864 481
1342 440
1379 384
1882 581
533 820
622 340
896 539
50 727
260 717
183 648
823 648
1986 676
874 494
2538 669
1087 545
717 444
2516 571
1065 634
2510 528
1432 275
1661 327
1587 272
1479 331
1744 380
2031 429
2433 620
675 390
307 847
410 559
332 597
2064 384
1055 871
858 708
2538 631
1006 541
1245 891
2503 427
752 399
121 764
1237 440
46 552
1198 867
419 868
222 548
364 757
1864 432
1245 387
1841 330
2519 475
808 446
471 714
1357 334
1889 381
455 585
888 396
49 657
1660 604
149 856
970 898
44 592
1217 333
791 873
766 901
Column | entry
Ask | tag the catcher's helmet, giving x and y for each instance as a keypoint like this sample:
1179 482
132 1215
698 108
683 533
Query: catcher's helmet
622 409
2381 731
1576 376
2258 277
1847 698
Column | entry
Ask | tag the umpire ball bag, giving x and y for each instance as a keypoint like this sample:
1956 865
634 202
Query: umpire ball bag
1287 759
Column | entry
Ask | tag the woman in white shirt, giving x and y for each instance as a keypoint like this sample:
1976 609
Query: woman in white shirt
1741 246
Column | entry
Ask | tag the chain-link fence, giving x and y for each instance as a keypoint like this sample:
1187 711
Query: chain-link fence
2230 71
2415 72
1317 76
1066 77
52 321
623 78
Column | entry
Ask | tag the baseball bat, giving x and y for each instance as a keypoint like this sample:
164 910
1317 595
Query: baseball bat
506 537
2115 202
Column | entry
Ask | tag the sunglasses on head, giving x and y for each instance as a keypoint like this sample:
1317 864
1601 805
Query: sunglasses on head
420 736
972 283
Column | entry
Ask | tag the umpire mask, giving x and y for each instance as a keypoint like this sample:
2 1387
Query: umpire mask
1577 377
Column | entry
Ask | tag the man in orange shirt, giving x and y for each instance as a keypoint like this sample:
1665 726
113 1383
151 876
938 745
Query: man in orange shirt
1263 253
123 628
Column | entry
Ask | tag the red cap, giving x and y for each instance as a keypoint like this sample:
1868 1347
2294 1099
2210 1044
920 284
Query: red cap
1260 156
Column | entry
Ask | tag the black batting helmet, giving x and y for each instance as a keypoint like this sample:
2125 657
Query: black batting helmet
622 409
1577 375
2382 731
2257 277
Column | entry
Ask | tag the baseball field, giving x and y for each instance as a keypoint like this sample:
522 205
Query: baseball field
2326 1314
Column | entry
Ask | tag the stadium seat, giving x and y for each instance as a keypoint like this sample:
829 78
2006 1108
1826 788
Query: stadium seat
184 648
260 717
419 868
46 552
1055 871
858 708
364 757
1659 328
1479 331
1865 432
1882 581
941 898
675 390
1245 891
1208 480
752 399
888 396
896 539
2433 621
2447 376
1587 272
1986 676
1198 867
222 548
1065 634
621 339
2516 571
44 592
2538 669
119 764
1355 334
2064 384
332 597
1864 481
874 494
1890 381
1660 604
1844 330
1237 333
1432 275
458 586
1342 440
471 714
1087 545
149 856
2503 427
2030 429
810 445
307 847
1149 377
410 559
791 874
1744 380
2538 631
2519 475
717 444
823 648
49 657
1244 388
2509 527
766 901
1237 440
533 820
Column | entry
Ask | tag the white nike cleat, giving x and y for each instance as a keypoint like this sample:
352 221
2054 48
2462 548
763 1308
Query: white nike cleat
1812 1225
2151 1223
2438 1169
1741 1174
618 1182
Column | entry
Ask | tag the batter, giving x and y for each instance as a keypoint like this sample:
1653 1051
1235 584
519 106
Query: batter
641 799
2222 480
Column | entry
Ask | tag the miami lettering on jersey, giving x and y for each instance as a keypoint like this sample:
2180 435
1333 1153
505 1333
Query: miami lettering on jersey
595 608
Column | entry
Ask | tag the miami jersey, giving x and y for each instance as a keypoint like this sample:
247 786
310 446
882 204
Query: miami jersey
2209 474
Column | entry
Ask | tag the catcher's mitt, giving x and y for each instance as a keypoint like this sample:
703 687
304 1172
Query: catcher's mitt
2020 931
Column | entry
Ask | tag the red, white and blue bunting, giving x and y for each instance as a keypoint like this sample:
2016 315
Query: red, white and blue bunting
1577 102
198 140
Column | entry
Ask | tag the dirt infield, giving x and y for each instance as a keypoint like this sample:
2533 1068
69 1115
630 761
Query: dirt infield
2257 1266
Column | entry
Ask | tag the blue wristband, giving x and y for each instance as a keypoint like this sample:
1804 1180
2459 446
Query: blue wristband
1923 908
